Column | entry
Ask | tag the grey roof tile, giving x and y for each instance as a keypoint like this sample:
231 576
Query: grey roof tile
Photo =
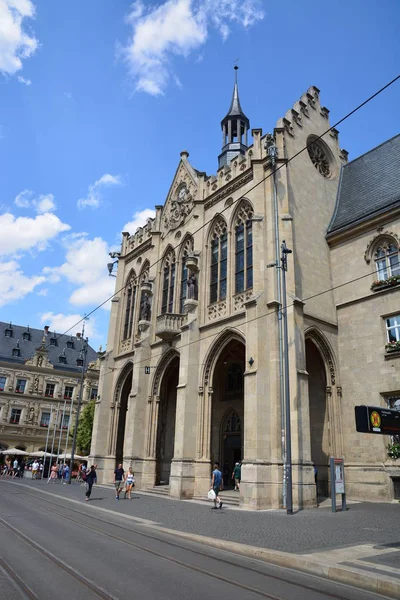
368 185
28 347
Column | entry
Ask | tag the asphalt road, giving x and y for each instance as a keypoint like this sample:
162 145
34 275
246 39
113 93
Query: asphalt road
53 549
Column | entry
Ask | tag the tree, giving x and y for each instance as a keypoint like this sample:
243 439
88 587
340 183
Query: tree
85 426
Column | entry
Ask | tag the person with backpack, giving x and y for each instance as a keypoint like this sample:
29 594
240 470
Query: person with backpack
216 485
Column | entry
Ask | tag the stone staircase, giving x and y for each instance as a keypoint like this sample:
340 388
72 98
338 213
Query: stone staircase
228 497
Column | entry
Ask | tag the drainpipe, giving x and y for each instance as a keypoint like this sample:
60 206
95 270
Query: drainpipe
273 152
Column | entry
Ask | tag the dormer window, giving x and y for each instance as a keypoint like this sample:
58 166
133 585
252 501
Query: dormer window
16 352
70 344
53 341
62 359
26 336
8 331
79 362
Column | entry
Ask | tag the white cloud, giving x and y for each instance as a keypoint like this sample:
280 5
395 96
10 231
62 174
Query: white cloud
25 233
42 292
14 284
16 44
86 267
61 323
93 198
43 203
24 81
139 219
177 28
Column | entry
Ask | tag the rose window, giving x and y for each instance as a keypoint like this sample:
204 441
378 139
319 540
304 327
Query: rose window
320 159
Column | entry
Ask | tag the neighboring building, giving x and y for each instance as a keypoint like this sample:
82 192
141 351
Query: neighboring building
40 375
193 366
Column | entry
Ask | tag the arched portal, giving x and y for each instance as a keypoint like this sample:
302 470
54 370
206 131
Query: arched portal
122 404
321 446
228 408
166 422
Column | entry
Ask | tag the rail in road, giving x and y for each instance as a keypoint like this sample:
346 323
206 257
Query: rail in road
240 577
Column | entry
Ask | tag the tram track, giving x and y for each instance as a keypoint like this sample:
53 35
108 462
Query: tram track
25 591
178 562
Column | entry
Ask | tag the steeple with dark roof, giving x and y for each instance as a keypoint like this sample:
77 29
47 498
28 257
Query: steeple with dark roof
235 126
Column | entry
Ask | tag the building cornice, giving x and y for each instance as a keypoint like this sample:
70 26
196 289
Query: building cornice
355 229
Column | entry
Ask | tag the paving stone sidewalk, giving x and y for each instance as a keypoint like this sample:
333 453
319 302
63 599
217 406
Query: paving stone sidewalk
360 546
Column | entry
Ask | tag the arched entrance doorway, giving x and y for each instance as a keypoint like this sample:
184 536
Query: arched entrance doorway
228 408
319 417
166 422
122 404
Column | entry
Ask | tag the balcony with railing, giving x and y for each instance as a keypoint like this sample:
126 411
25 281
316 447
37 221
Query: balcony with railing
169 325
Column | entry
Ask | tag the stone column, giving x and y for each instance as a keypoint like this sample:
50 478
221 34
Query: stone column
182 466
239 131
203 456
229 132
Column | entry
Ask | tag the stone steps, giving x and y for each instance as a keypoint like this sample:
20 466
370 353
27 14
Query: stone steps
229 498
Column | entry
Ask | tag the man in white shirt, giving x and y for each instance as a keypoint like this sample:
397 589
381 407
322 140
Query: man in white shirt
15 468
35 468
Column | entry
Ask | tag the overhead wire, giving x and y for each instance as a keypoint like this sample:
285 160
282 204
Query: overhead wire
284 163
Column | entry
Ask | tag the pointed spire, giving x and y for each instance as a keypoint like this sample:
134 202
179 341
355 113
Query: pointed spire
235 127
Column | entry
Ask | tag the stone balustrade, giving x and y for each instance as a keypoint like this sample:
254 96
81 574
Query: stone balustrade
169 325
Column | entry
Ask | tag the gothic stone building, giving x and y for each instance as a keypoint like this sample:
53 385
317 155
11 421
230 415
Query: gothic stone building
193 369
40 376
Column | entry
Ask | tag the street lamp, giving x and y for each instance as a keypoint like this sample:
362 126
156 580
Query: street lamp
289 493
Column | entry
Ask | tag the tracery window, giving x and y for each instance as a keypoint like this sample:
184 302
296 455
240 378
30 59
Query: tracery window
387 260
244 249
129 306
167 301
187 247
219 261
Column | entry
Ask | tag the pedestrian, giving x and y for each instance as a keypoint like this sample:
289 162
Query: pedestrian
21 469
53 473
129 483
35 468
236 476
216 485
65 473
40 469
15 468
60 471
118 480
91 478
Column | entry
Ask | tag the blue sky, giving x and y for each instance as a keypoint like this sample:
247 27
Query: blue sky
98 98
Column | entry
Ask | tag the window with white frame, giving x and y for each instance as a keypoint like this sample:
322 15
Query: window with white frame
50 387
93 393
20 387
168 285
387 260
45 419
244 248
3 383
219 261
15 416
68 391
393 329
394 402
64 422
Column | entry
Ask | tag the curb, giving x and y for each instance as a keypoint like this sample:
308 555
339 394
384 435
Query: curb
387 587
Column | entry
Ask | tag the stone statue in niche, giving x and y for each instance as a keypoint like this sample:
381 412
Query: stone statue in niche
31 415
40 361
192 287
36 384
145 314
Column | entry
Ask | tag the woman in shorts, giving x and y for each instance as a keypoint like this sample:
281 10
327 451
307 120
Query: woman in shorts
129 483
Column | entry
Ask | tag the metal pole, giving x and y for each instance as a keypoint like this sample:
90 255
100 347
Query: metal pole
273 152
289 493
47 442
61 424
78 408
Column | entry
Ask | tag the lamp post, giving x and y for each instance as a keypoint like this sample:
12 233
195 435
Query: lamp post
83 355
289 494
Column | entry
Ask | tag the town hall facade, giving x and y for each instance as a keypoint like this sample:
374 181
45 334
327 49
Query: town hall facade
194 369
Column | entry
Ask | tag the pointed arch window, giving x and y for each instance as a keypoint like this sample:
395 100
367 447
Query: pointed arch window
387 260
187 247
244 249
129 308
219 261
167 301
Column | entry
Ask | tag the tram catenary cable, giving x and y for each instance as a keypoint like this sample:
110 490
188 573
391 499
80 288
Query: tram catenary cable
283 164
